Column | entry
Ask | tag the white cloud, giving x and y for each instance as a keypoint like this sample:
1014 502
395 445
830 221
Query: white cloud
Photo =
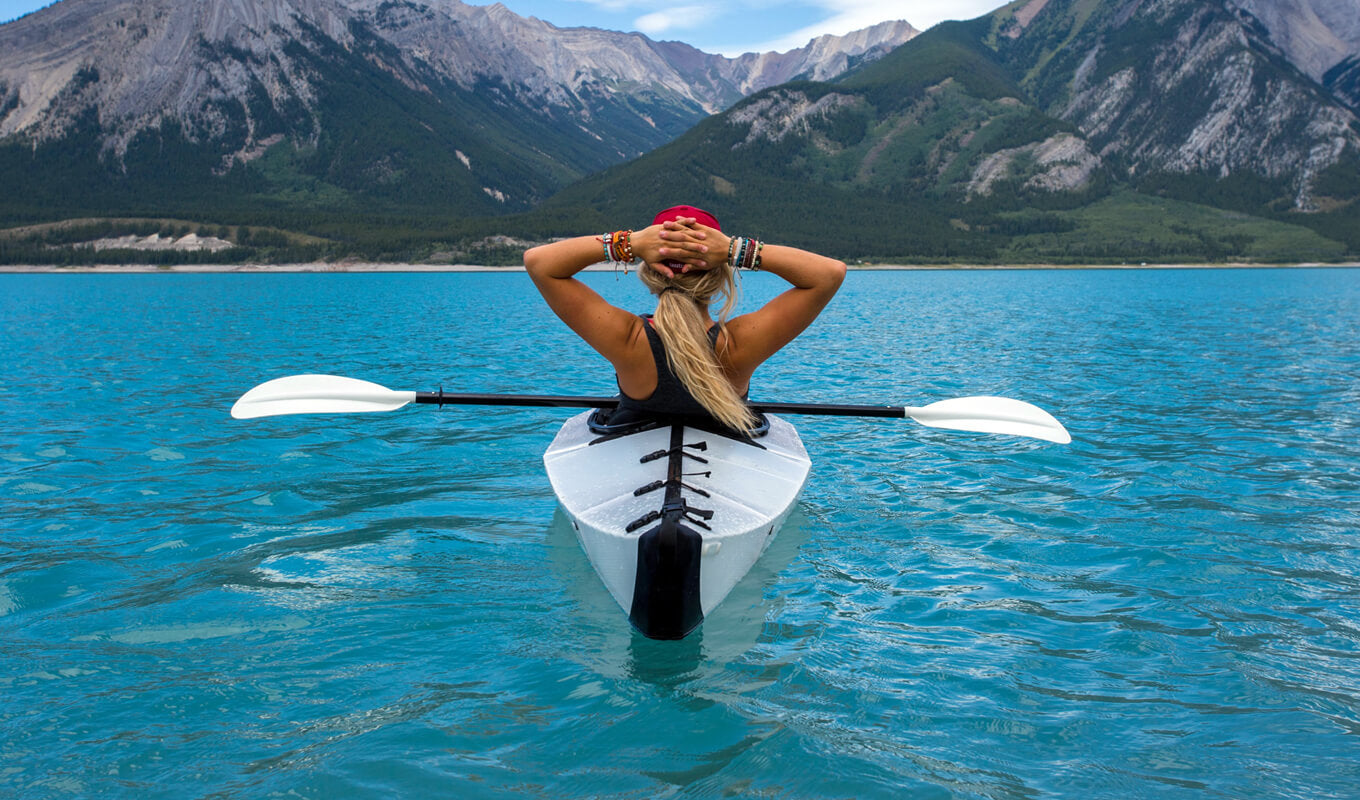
675 19
608 5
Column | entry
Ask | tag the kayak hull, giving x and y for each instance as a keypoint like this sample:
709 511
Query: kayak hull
673 516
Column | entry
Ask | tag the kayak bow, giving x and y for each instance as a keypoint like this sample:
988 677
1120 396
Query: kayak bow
673 516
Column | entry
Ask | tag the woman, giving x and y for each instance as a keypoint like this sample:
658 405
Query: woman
678 360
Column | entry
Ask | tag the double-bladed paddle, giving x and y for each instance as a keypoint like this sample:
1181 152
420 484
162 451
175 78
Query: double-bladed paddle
331 394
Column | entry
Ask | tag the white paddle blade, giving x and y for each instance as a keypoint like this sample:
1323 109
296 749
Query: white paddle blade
317 394
992 415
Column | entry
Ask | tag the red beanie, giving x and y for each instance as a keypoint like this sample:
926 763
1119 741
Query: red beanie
675 212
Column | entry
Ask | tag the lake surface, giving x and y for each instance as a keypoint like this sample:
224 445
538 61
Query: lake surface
387 605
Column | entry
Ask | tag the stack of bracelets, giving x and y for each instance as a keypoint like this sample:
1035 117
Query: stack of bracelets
744 253
618 247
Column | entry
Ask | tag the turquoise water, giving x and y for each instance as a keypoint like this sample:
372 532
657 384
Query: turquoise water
389 605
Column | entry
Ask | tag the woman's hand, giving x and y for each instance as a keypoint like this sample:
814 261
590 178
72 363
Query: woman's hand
679 246
716 243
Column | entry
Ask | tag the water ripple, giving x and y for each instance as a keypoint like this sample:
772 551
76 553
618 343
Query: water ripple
388 605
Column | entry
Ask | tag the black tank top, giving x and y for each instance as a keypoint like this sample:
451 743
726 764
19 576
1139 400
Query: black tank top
670 398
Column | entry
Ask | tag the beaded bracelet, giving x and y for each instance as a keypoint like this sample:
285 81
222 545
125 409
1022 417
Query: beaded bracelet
618 246
744 252
623 246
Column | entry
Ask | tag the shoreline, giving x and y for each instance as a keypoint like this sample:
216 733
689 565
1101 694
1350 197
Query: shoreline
367 267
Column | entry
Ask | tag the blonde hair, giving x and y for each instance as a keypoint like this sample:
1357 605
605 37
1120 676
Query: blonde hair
682 324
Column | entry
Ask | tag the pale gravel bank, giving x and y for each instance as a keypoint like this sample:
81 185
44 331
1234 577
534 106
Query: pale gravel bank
347 267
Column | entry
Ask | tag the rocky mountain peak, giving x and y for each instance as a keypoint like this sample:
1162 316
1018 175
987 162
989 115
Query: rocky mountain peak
1316 35
151 58
821 59
1191 87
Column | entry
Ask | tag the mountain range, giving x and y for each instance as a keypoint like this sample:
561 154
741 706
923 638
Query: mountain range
1050 130
352 103
1042 130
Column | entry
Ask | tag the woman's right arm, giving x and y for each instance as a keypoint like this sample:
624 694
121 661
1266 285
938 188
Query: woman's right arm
553 268
609 330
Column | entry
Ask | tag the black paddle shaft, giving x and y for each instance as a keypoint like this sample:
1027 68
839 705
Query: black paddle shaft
442 398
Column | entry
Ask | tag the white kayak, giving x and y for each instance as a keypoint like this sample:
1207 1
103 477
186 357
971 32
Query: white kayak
673 516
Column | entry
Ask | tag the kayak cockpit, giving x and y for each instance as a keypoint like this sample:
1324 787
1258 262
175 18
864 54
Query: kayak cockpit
602 421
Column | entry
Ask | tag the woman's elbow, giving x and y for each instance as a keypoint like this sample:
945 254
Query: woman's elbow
836 274
537 262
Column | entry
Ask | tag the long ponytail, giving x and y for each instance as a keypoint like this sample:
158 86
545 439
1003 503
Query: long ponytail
682 324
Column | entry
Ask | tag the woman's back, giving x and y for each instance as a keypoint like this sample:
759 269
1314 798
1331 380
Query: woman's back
689 264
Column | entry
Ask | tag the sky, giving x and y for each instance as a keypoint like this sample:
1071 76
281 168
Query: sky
729 27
